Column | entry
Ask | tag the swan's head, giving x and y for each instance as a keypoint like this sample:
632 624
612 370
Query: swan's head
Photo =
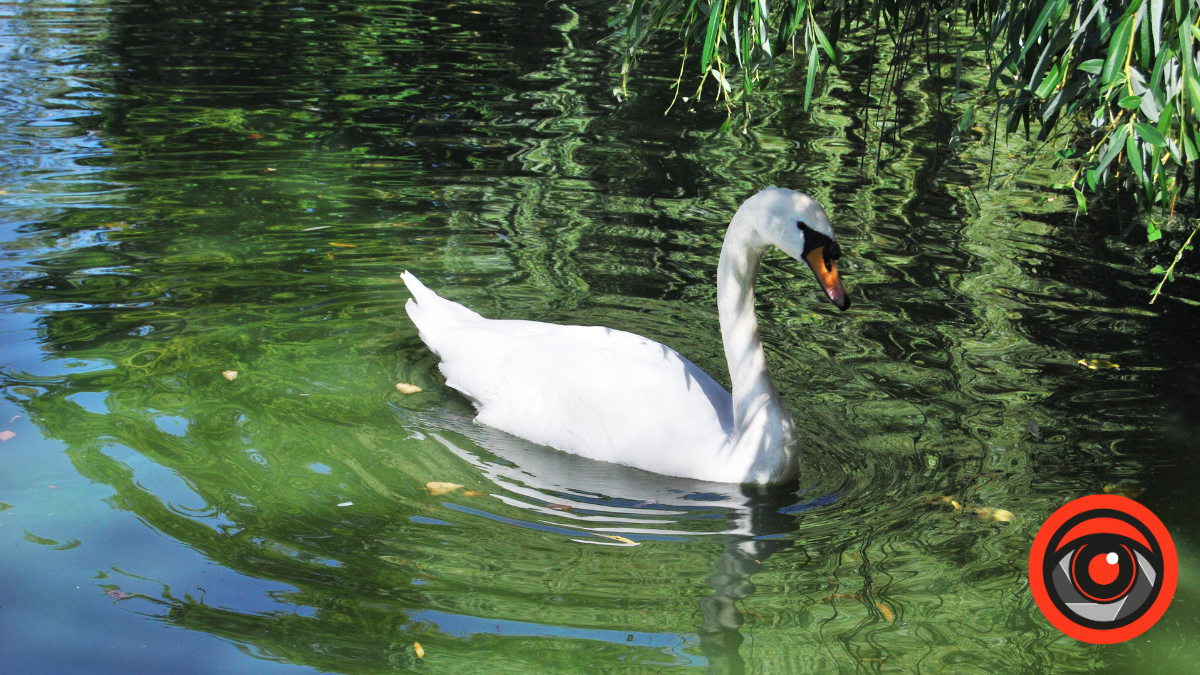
797 225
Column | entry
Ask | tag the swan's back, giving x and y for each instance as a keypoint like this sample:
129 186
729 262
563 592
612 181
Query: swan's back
588 390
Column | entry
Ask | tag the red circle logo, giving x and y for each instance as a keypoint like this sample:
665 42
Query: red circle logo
1103 569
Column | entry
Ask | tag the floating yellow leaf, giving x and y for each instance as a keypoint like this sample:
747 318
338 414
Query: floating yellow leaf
623 540
1125 490
230 375
406 388
887 613
943 499
1098 364
473 493
340 245
6 434
417 648
439 488
1003 516
988 513
254 137
269 170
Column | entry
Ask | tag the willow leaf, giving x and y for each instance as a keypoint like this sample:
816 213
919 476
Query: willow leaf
1188 141
1192 85
1135 157
1039 25
1150 134
824 41
1118 46
1156 12
1049 83
813 58
1115 143
714 29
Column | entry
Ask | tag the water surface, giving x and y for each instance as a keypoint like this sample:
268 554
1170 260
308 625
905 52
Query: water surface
193 188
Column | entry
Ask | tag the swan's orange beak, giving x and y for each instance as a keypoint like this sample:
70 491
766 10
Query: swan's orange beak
827 276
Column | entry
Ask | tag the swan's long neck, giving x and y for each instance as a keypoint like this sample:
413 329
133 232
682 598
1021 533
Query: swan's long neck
763 430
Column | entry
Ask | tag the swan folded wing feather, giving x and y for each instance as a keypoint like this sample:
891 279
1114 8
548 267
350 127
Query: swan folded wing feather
598 402
591 391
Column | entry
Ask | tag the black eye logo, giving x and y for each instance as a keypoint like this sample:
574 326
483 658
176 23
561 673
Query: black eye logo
1103 571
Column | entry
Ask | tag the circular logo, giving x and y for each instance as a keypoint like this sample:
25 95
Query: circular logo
1103 569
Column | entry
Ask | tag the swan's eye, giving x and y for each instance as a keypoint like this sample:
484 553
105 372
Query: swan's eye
833 251
814 240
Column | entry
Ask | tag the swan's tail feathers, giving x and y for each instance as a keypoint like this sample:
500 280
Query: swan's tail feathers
433 314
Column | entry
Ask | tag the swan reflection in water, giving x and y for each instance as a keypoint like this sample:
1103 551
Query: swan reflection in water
598 499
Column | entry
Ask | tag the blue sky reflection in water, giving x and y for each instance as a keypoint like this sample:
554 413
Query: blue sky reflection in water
194 188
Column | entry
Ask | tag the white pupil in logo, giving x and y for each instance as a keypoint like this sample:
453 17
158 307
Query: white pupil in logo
1111 558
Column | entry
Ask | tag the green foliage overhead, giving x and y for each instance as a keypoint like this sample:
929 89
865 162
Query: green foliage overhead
1111 86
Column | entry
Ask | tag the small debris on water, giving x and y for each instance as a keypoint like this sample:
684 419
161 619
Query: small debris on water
5 435
439 488
346 504
887 613
1098 364
558 507
1034 430
117 595
988 513
942 499
314 229
419 650
406 388
230 375
1130 490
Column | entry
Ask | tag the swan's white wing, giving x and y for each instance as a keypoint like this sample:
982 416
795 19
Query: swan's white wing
591 391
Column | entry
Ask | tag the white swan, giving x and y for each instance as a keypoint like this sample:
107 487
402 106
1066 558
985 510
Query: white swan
614 396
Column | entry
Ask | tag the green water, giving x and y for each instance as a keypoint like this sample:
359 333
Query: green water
176 177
